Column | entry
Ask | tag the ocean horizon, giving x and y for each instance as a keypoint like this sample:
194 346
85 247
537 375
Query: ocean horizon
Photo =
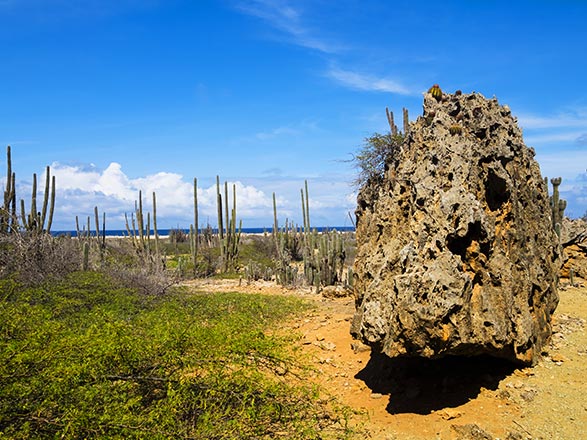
166 232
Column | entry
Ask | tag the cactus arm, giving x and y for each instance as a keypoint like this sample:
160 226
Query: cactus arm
45 197
51 205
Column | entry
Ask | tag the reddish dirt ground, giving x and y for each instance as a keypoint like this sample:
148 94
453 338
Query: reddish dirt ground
455 398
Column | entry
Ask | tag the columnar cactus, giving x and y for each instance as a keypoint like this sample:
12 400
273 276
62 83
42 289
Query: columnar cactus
406 121
155 227
194 232
85 256
7 213
35 220
392 126
322 254
229 236
220 221
557 205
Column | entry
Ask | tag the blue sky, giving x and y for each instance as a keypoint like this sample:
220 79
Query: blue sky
124 95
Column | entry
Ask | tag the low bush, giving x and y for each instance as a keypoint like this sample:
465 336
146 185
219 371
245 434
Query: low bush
377 152
84 358
35 257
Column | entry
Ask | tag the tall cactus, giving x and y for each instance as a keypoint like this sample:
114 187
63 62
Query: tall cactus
406 121
85 256
307 205
7 214
139 231
194 231
229 236
35 220
155 231
392 126
322 254
557 205
220 221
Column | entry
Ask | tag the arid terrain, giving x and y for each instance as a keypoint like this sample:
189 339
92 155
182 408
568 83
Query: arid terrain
453 398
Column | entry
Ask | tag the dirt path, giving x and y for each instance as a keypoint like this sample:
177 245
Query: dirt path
449 399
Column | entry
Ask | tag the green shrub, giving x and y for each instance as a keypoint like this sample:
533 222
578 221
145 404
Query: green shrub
377 152
84 358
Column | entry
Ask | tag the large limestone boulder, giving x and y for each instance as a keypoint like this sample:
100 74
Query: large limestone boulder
456 250
574 243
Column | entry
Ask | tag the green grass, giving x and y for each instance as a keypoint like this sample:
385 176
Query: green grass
84 358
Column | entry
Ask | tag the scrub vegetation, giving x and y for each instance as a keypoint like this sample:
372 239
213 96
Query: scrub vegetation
98 339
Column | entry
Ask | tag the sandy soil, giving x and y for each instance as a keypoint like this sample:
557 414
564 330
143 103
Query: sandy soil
454 399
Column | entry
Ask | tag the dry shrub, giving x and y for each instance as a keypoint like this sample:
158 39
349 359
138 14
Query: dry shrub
136 269
35 257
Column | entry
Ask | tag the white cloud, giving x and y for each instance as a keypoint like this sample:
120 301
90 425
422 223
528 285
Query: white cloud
113 182
281 15
80 188
573 119
554 136
560 128
566 164
358 81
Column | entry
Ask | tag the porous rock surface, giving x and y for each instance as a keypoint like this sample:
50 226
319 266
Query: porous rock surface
574 243
456 250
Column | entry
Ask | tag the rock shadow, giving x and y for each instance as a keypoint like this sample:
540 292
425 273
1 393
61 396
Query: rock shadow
420 385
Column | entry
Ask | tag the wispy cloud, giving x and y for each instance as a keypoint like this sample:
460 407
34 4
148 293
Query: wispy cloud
557 163
359 81
555 136
269 134
568 128
571 119
281 15
279 131
582 139
292 22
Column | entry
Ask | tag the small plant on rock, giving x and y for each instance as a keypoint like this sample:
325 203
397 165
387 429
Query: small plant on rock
378 150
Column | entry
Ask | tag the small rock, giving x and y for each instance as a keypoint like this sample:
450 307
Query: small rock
557 357
517 385
334 292
359 347
528 394
326 346
450 413
470 432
